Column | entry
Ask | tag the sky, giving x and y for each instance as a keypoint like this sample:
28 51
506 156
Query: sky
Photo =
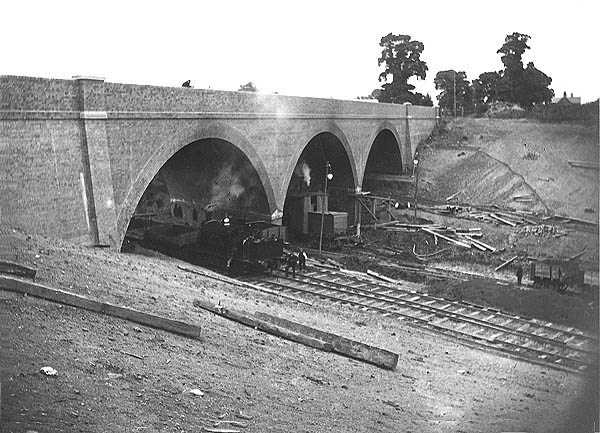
314 48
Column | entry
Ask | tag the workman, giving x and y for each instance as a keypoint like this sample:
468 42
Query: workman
302 259
291 263
519 274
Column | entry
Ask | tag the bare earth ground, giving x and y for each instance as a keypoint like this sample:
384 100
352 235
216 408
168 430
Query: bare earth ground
566 190
438 386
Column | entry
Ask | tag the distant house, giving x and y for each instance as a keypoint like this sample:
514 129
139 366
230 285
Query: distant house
565 100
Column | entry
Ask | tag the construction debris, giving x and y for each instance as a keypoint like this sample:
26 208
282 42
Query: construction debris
8 267
306 335
503 220
453 196
506 263
340 345
457 236
426 256
48 371
541 230
584 164
68 298
452 241
526 198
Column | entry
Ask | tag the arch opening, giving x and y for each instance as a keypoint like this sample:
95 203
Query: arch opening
209 179
306 199
384 171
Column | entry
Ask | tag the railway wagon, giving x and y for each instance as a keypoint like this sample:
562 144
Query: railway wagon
562 274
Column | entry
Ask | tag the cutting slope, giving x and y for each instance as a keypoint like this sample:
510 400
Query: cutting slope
515 157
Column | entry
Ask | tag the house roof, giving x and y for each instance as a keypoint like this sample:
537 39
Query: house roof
565 100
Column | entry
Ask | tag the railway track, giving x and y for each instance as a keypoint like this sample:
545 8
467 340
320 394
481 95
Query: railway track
533 340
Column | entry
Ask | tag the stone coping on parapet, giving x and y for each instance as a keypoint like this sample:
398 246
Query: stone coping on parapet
65 115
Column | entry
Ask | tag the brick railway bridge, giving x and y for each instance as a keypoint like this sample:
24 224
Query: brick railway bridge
77 156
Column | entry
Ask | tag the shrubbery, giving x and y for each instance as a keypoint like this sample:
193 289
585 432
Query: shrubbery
587 113
560 113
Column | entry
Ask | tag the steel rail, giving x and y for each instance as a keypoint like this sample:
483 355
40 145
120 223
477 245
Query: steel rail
399 307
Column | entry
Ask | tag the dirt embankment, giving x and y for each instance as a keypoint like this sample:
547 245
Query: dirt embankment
438 386
493 160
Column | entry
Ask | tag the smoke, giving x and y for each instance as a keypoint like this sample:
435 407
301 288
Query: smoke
303 170
226 188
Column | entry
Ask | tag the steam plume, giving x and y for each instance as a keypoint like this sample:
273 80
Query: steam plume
303 170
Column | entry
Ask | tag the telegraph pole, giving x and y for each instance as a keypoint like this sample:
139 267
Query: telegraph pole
454 90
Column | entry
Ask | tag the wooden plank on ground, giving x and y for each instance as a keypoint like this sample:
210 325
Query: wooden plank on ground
484 245
502 220
453 196
8 267
576 256
68 298
343 346
248 320
509 261
584 164
454 241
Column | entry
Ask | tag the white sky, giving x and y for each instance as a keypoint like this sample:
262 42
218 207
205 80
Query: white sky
315 48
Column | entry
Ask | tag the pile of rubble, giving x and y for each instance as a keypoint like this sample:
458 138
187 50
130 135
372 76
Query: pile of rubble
541 230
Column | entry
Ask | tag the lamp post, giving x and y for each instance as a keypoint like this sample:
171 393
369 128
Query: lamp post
416 163
328 177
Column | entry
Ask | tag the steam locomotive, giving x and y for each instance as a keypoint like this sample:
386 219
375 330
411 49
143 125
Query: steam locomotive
231 242
245 245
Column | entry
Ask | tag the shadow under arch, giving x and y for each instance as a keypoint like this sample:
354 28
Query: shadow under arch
405 155
214 130
318 128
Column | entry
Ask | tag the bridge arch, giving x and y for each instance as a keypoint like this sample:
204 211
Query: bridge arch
385 139
311 132
164 152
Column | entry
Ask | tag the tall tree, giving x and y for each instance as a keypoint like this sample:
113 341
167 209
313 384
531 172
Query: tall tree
455 90
512 58
401 57
536 86
525 86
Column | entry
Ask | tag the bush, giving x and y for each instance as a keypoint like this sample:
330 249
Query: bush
561 113
505 110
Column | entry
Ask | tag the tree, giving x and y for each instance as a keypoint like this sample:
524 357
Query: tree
373 96
402 59
536 87
512 58
248 87
455 89
517 84
485 90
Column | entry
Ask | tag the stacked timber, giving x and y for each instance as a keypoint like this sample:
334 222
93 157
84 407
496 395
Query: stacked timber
463 237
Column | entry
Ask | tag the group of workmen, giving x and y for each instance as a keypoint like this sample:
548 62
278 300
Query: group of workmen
293 259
